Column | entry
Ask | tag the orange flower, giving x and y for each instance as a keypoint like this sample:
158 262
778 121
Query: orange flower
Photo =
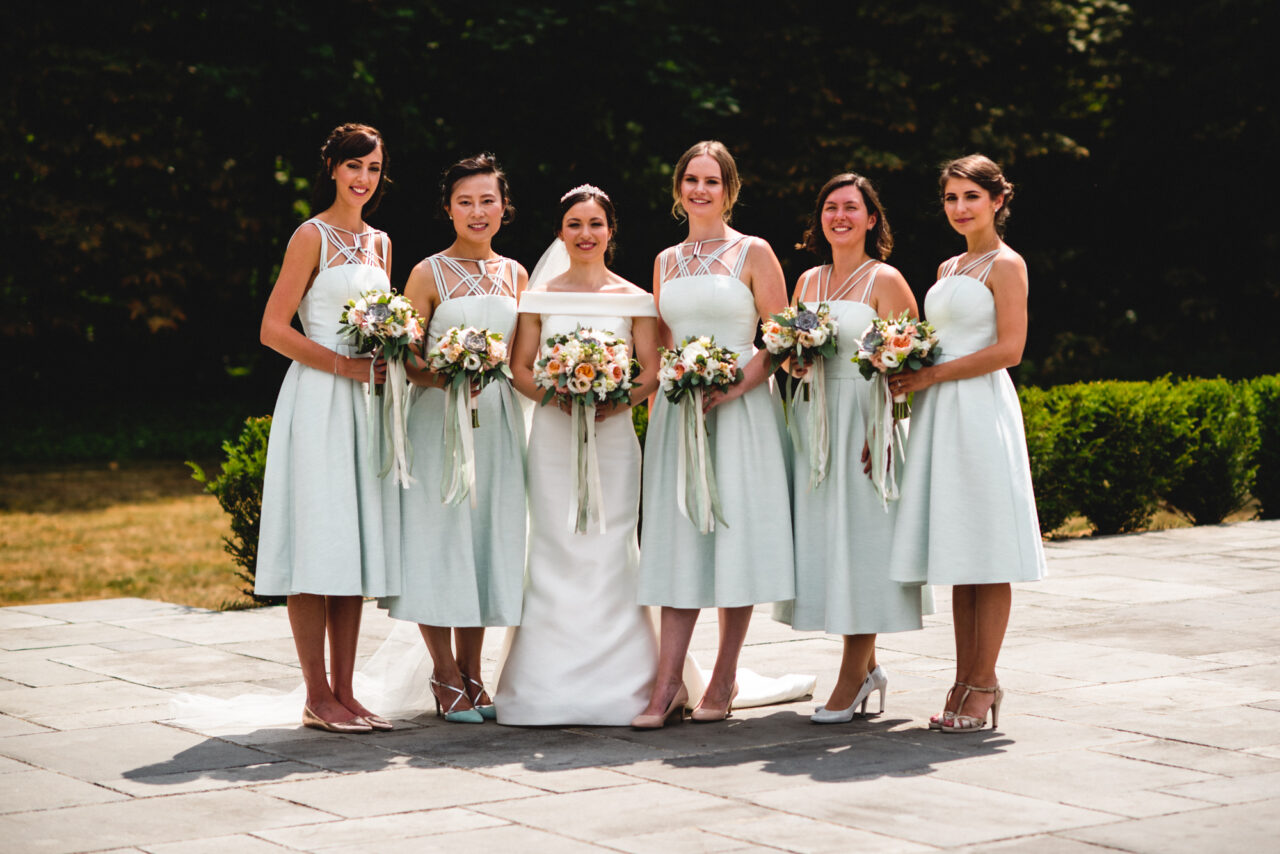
586 371
554 367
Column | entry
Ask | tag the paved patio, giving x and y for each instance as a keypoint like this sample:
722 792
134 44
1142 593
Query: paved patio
1143 715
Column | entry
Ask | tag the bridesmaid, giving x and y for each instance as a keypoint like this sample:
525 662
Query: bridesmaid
967 516
463 565
329 523
843 533
719 282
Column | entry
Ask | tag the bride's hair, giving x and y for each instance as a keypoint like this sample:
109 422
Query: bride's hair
344 142
879 241
481 164
984 172
728 174
590 193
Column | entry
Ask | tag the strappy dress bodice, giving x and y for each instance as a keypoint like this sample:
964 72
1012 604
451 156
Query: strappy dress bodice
473 292
962 308
350 264
850 310
703 293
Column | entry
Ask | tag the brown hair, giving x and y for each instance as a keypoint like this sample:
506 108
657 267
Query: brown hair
481 164
728 174
879 239
984 172
345 142
588 193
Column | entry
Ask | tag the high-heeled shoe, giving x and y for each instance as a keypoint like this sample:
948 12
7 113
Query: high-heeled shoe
461 716
675 707
876 681
970 723
314 721
944 717
703 715
488 712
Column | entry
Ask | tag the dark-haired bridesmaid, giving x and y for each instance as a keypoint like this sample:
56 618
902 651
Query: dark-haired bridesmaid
464 523
967 515
330 525
843 524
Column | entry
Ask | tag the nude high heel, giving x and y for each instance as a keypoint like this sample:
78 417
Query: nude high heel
675 707
703 715
969 723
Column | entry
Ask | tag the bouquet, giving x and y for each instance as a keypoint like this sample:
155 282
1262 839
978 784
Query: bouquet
585 368
386 322
888 347
466 357
804 334
683 375
891 346
809 337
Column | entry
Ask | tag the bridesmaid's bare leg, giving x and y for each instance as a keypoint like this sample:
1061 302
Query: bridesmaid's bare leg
733 632
307 618
469 641
344 613
858 660
991 605
673 643
439 641
964 623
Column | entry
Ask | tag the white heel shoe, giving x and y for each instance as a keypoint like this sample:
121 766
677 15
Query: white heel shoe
876 681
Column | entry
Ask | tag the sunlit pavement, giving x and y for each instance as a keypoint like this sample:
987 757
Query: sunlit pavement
1143 714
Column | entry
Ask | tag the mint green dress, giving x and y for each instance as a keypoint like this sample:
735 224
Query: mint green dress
748 560
967 513
843 530
464 565
329 524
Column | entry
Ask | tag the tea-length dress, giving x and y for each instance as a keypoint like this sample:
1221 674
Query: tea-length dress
843 531
967 514
330 524
464 565
747 560
585 652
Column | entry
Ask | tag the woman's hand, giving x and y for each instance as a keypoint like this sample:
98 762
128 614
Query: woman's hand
795 368
911 381
610 409
711 398
357 368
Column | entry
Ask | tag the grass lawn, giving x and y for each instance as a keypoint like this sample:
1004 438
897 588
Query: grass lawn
96 532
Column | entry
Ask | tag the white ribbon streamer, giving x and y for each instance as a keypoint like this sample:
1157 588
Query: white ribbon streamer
395 423
697 496
880 436
819 430
586 488
459 477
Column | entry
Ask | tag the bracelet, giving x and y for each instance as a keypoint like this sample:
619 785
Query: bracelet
335 363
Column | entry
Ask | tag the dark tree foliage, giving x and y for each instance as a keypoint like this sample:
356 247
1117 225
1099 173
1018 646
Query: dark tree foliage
160 156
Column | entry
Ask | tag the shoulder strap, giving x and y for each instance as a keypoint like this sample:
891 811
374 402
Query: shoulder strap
742 256
327 238
988 258
443 290
871 282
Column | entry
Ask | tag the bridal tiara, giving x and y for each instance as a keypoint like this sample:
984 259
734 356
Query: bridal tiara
592 189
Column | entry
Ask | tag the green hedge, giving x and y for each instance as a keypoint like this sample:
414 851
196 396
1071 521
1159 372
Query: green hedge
1266 407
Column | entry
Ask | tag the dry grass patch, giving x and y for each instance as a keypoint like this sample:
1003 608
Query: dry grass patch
98 532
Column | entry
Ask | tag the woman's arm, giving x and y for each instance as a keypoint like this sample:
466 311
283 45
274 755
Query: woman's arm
524 352
301 260
422 292
1008 284
892 295
764 277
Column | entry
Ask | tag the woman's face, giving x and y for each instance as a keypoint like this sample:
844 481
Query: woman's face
585 231
845 219
356 178
702 187
476 207
968 206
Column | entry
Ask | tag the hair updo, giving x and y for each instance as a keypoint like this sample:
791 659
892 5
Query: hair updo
590 193
481 164
879 239
984 172
728 175
345 142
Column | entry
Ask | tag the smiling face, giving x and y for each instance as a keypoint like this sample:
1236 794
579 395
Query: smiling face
845 218
702 191
968 206
585 231
356 178
476 207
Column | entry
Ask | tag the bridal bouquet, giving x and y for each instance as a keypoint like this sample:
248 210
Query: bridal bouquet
386 322
887 347
809 337
466 357
585 368
684 373
589 366
469 357
891 346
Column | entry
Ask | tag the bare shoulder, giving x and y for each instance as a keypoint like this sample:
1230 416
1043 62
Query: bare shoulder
887 273
1009 267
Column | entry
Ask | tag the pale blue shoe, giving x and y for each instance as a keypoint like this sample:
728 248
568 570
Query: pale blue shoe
488 712
462 716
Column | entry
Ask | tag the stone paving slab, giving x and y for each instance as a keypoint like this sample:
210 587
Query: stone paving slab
1143 714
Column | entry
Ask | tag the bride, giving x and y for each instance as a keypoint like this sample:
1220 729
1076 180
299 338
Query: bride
585 652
